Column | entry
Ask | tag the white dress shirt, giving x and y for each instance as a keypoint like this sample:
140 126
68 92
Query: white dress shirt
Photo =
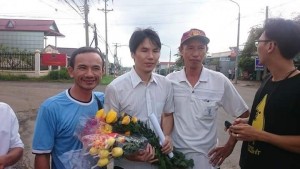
9 130
129 94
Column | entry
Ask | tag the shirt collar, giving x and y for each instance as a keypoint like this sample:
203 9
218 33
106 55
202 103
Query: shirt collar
203 75
135 78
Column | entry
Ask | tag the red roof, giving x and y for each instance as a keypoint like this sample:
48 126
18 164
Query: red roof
47 26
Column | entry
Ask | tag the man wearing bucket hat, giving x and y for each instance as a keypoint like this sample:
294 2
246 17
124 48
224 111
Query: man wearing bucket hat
198 93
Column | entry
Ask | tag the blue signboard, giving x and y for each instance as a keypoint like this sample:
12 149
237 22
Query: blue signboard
258 66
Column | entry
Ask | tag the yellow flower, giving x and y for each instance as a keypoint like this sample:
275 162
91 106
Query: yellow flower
134 119
117 152
111 141
103 153
126 120
100 114
111 116
107 128
102 162
93 151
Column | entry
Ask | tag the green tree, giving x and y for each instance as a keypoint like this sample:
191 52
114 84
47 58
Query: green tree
250 48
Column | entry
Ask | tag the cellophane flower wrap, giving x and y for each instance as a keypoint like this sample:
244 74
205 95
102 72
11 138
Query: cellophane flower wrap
107 136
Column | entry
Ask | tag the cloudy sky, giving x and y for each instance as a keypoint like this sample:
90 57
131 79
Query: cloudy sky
170 18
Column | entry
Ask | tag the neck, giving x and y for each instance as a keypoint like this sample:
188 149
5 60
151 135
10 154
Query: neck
81 95
145 76
193 71
193 74
282 72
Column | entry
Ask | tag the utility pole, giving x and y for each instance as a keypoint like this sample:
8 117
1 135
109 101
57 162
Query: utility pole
237 45
116 60
265 67
95 37
86 22
105 10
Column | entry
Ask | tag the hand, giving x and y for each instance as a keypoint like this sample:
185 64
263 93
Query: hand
240 121
2 160
244 132
146 155
167 146
219 154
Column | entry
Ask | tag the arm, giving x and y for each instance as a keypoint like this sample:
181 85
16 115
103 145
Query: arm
13 156
219 154
167 127
167 123
42 161
245 132
111 100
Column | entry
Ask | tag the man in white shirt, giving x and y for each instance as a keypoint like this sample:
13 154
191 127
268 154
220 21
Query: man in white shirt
198 93
11 145
140 93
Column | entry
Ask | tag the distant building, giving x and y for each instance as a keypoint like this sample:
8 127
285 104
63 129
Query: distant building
221 62
163 67
27 34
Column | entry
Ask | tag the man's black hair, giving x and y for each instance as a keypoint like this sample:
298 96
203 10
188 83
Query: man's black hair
85 50
286 34
139 35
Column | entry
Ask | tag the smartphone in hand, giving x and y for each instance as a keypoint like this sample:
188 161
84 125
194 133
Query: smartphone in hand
227 124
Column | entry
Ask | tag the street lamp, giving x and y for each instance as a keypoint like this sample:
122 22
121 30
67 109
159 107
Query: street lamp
169 64
237 44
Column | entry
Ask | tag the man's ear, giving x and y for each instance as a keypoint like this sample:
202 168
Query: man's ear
271 47
70 71
132 56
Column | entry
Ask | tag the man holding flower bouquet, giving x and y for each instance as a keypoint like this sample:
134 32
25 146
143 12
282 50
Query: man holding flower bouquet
141 93
59 115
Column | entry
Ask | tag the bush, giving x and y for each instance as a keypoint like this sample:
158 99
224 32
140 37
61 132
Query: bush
13 77
106 79
61 74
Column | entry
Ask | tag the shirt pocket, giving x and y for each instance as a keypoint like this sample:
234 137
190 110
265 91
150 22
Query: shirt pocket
206 106
207 109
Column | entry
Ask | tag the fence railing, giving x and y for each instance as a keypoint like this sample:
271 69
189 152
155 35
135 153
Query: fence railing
17 61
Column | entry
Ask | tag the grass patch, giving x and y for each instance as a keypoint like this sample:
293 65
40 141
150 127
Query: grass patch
9 77
106 79
53 76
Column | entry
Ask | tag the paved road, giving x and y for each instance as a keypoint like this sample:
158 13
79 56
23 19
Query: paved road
25 98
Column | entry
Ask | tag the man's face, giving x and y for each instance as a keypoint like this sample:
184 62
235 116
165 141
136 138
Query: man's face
193 53
87 71
146 57
262 48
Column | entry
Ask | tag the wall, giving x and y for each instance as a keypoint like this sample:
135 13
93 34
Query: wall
23 40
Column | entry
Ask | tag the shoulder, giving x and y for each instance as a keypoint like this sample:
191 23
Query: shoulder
121 79
99 95
56 99
215 79
4 106
6 110
176 76
214 75
173 75
161 79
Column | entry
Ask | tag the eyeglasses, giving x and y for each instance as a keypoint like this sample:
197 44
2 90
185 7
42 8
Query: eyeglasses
257 41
